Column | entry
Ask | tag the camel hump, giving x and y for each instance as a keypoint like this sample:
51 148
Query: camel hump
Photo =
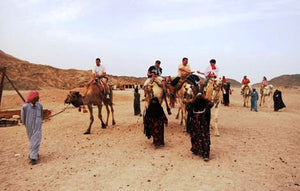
154 83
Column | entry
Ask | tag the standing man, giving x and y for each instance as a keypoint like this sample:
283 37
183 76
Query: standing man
99 75
32 117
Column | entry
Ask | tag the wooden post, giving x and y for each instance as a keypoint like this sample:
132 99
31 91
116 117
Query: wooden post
15 88
3 71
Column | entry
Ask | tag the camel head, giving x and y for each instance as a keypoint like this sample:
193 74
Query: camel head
188 91
217 83
149 91
74 98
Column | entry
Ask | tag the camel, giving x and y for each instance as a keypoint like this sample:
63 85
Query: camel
246 95
94 96
214 94
168 92
154 90
185 95
266 92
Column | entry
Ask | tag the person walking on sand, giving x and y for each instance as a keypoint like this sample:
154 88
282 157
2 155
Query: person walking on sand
136 102
226 91
278 102
154 122
199 117
254 98
31 117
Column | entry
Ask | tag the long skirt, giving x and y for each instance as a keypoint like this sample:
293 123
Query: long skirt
278 102
253 104
226 99
155 127
137 104
200 136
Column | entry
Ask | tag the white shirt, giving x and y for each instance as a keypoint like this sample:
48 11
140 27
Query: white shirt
210 70
185 67
99 70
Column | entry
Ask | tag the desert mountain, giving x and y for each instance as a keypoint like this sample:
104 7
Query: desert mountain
26 75
284 81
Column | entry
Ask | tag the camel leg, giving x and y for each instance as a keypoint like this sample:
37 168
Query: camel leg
107 114
177 116
184 116
181 120
167 105
216 130
112 114
88 131
260 100
100 116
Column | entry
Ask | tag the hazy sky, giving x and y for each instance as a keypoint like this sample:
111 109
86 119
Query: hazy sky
254 38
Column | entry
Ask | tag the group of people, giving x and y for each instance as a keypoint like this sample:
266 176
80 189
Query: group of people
184 72
199 123
277 98
155 118
199 110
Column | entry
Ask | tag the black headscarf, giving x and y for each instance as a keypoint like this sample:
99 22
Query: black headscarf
154 109
136 90
200 103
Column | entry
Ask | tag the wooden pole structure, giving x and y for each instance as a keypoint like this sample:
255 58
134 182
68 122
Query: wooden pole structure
15 88
3 71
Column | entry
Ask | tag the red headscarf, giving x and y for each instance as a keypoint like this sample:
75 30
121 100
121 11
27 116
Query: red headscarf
32 94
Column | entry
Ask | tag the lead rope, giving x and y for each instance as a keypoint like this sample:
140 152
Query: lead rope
58 112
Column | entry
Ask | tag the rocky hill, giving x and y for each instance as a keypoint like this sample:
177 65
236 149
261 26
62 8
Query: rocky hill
284 81
234 83
26 75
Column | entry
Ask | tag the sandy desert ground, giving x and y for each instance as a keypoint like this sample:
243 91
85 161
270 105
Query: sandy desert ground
256 151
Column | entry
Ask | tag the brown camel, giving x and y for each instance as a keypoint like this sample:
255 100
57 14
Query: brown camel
95 95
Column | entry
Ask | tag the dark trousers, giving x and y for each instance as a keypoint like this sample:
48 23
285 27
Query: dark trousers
192 78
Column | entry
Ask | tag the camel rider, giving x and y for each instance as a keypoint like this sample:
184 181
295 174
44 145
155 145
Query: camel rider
184 72
264 83
211 72
245 82
99 75
154 75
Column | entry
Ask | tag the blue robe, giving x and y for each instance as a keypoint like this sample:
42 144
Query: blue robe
254 98
32 118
